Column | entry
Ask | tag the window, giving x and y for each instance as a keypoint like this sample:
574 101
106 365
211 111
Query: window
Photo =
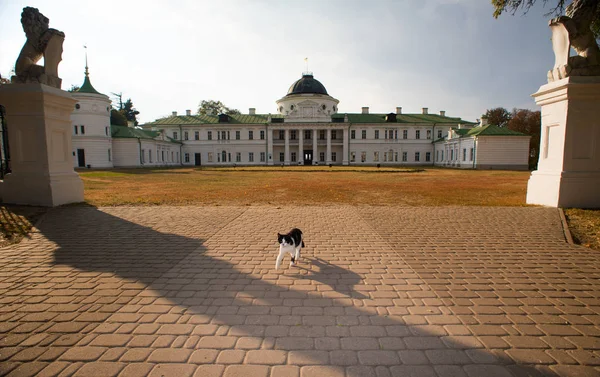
427 156
464 154
471 159
333 157
352 156
333 134
293 134
106 130
363 156
308 134
237 135
281 134
150 155
238 157
75 129
405 134
196 135
175 135
451 154
417 156
224 135
442 155
321 134
262 135
376 156
437 155
143 156
404 156
363 134
251 157
251 135
224 156
322 157
209 135
417 134
177 154
396 156
109 156
376 134
186 135
172 155
187 157
396 134
262 156
428 134
210 156
162 156
281 157
82 128
439 134
353 134
293 156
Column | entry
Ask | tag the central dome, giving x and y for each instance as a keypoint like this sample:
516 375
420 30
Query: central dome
307 84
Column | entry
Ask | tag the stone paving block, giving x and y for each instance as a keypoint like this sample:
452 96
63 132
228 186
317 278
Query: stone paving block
83 353
304 357
246 371
100 369
169 355
322 371
204 356
172 370
379 357
285 371
413 370
267 357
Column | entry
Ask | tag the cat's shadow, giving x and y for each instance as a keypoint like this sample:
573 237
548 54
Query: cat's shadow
341 280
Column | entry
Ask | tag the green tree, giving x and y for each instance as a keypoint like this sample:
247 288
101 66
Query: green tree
74 88
117 118
129 111
512 6
498 116
530 123
215 107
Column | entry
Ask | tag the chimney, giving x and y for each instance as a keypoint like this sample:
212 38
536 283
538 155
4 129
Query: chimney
174 113
188 112
365 110
484 120
425 112
442 113
252 111
398 110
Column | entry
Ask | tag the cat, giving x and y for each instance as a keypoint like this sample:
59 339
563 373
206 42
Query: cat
291 243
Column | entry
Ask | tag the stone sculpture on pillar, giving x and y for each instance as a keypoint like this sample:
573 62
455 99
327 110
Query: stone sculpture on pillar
573 30
41 42
568 173
38 116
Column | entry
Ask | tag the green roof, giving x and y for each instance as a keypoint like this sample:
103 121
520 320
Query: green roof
263 119
87 86
491 130
122 132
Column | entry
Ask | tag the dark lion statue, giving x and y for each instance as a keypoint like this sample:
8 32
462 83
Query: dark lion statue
41 42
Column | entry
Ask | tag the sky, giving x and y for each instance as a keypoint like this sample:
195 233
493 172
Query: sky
166 56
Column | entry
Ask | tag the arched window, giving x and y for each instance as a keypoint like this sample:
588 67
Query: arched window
223 156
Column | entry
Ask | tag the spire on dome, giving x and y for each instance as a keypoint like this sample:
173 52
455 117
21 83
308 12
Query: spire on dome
87 87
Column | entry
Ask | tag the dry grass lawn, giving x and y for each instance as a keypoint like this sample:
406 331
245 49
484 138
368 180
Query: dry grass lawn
302 186
305 186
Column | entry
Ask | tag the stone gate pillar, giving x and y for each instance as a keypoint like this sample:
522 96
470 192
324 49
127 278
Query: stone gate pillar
568 172
39 136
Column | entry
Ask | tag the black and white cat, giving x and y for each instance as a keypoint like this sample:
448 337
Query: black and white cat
290 243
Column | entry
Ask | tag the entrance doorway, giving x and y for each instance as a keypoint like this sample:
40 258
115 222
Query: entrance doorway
81 158
308 157
197 159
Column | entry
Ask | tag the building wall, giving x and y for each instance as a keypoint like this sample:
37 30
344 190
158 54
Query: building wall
502 152
126 153
96 151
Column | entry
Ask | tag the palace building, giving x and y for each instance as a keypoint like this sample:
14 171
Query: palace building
306 129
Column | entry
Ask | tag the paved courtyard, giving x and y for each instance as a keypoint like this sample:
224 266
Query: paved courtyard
380 291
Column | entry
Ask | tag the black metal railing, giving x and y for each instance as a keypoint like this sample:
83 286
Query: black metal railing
4 150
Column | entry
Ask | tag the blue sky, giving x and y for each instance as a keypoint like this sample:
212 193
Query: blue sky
447 55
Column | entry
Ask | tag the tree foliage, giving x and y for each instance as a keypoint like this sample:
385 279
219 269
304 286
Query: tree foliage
557 9
117 118
73 88
126 109
530 123
215 108
498 116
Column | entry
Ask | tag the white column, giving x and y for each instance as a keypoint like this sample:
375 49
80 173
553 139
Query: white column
269 146
301 147
568 172
286 158
315 147
328 155
345 153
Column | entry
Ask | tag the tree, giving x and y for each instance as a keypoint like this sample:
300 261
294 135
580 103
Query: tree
215 107
74 88
129 111
501 6
498 116
117 118
530 123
